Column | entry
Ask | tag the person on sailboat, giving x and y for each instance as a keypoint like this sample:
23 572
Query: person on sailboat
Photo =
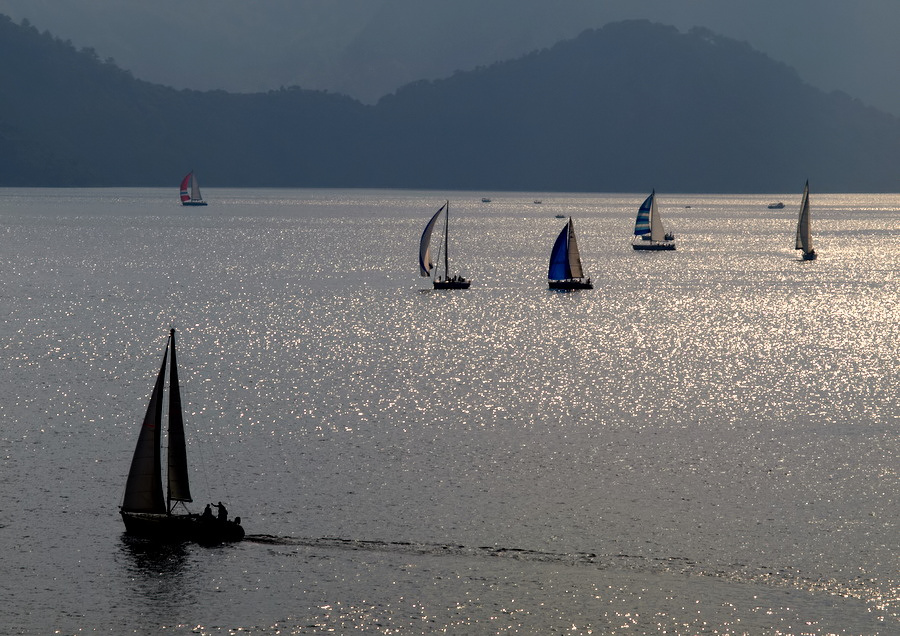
223 511
207 512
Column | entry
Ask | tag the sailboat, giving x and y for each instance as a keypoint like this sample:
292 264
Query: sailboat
649 233
426 266
804 231
565 271
145 510
192 196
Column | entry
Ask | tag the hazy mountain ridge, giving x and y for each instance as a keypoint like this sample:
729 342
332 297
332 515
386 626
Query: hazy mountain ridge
625 108
368 48
83 121
635 105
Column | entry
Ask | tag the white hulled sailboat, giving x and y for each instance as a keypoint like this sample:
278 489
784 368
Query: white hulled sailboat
190 190
649 233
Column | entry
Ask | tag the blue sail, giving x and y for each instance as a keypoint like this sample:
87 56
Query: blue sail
642 223
559 257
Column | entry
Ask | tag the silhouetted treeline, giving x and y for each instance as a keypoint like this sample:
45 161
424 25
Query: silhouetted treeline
626 108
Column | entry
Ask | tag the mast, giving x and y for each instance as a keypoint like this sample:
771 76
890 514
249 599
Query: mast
447 241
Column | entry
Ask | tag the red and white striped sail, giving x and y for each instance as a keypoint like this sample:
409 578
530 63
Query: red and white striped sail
185 194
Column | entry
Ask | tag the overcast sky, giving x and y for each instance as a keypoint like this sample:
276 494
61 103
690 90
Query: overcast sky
367 48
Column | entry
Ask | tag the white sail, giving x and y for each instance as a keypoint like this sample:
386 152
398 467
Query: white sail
425 262
657 231
195 188
574 254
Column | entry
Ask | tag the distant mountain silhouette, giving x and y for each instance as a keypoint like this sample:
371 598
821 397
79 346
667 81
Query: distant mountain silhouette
629 107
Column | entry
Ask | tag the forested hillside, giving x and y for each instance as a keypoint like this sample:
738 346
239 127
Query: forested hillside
626 108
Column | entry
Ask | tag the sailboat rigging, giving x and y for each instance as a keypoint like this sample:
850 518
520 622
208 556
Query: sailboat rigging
190 190
565 271
804 230
145 511
649 233
426 266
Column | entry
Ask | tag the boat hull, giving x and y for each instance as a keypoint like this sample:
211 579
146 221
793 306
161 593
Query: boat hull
165 528
568 285
193 203
452 284
653 247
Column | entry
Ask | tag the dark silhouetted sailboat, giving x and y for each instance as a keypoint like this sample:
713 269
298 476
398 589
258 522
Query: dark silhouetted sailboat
426 266
804 231
145 510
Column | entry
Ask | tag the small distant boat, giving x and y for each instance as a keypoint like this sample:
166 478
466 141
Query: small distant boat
565 271
485 200
649 233
776 206
145 511
426 266
537 201
804 231
190 190
560 216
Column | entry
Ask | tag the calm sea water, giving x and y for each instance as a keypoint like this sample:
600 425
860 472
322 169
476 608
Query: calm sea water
707 442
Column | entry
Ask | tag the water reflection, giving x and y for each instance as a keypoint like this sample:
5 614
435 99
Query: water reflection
156 572
154 558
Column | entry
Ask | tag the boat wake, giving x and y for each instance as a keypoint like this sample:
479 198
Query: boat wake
428 549
673 565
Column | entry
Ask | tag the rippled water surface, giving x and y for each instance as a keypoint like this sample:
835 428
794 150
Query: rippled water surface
707 442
